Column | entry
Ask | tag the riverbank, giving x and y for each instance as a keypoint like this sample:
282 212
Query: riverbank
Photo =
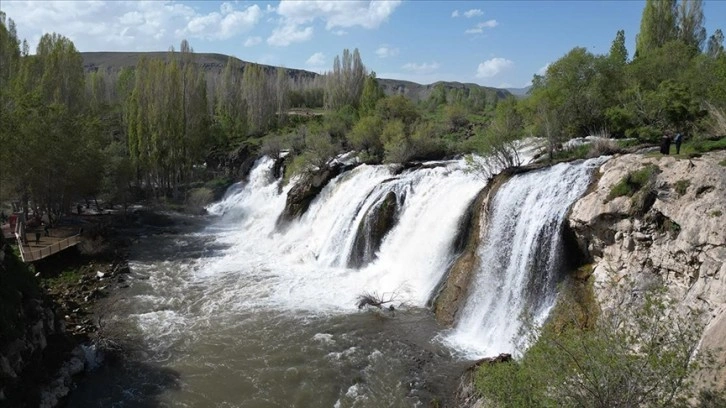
56 332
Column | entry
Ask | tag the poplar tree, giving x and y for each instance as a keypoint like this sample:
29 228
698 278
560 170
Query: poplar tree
657 26
690 23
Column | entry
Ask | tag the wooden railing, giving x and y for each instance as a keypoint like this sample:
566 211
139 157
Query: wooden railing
29 255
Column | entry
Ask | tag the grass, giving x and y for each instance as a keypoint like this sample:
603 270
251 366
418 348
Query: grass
715 213
723 162
682 186
633 182
66 277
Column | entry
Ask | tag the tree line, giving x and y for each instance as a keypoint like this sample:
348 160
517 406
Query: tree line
166 124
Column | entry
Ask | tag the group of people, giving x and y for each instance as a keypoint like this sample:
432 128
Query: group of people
665 143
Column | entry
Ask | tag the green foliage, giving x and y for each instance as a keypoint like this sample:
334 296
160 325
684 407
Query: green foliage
715 213
639 353
657 26
633 182
397 107
681 186
366 136
17 286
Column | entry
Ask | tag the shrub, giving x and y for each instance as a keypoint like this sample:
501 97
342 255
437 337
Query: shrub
640 353
633 182
601 147
681 186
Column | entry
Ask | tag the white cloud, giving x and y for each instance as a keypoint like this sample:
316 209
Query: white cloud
287 34
492 67
543 70
385 51
339 32
129 25
316 60
224 24
479 28
423 68
473 13
455 14
335 13
252 41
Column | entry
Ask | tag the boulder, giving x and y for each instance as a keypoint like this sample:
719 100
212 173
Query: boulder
306 189
376 222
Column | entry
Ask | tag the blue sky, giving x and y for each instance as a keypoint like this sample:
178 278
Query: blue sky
491 43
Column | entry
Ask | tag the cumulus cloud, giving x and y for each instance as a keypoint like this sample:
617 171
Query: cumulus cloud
543 70
455 14
335 13
296 17
492 67
423 68
129 25
252 41
479 28
385 51
316 60
287 34
473 13
224 24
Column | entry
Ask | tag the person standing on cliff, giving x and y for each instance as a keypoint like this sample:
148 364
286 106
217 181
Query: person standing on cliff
678 140
665 143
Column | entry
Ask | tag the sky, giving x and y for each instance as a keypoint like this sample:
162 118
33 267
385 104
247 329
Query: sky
493 43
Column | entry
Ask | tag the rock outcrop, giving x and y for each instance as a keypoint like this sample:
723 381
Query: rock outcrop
305 191
378 220
456 282
677 238
34 348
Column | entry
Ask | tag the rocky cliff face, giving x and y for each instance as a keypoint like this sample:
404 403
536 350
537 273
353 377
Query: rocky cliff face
674 233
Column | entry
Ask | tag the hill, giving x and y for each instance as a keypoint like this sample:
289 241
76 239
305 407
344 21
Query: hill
213 64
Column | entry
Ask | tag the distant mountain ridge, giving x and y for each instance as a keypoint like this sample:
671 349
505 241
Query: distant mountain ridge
112 62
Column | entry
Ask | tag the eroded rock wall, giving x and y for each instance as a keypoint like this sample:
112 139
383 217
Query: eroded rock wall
679 239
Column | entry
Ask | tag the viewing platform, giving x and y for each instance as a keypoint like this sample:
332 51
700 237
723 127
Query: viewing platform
30 251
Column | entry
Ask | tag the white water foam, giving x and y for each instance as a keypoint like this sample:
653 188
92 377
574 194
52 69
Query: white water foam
304 266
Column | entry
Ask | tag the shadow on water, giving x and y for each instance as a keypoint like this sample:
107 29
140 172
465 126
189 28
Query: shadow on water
125 382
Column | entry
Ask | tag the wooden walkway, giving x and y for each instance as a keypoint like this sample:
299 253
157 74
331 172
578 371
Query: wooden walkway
45 247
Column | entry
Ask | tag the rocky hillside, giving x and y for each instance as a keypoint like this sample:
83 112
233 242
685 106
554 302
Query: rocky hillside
112 62
673 231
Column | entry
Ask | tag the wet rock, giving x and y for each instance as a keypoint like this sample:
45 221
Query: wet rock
376 223
305 191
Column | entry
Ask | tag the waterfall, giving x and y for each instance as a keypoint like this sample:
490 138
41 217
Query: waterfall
326 258
520 258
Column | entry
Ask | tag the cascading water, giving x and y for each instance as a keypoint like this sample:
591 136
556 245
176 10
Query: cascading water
242 313
316 250
520 258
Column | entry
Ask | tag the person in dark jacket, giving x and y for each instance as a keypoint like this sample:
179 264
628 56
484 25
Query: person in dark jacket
678 140
665 144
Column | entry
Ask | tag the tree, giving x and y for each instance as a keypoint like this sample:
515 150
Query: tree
344 84
618 53
657 26
715 44
370 95
690 23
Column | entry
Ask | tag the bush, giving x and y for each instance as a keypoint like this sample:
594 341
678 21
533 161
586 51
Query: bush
602 147
633 182
682 186
640 353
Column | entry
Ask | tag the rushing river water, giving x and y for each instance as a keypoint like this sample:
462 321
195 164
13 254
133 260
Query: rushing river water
202 341
242 311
